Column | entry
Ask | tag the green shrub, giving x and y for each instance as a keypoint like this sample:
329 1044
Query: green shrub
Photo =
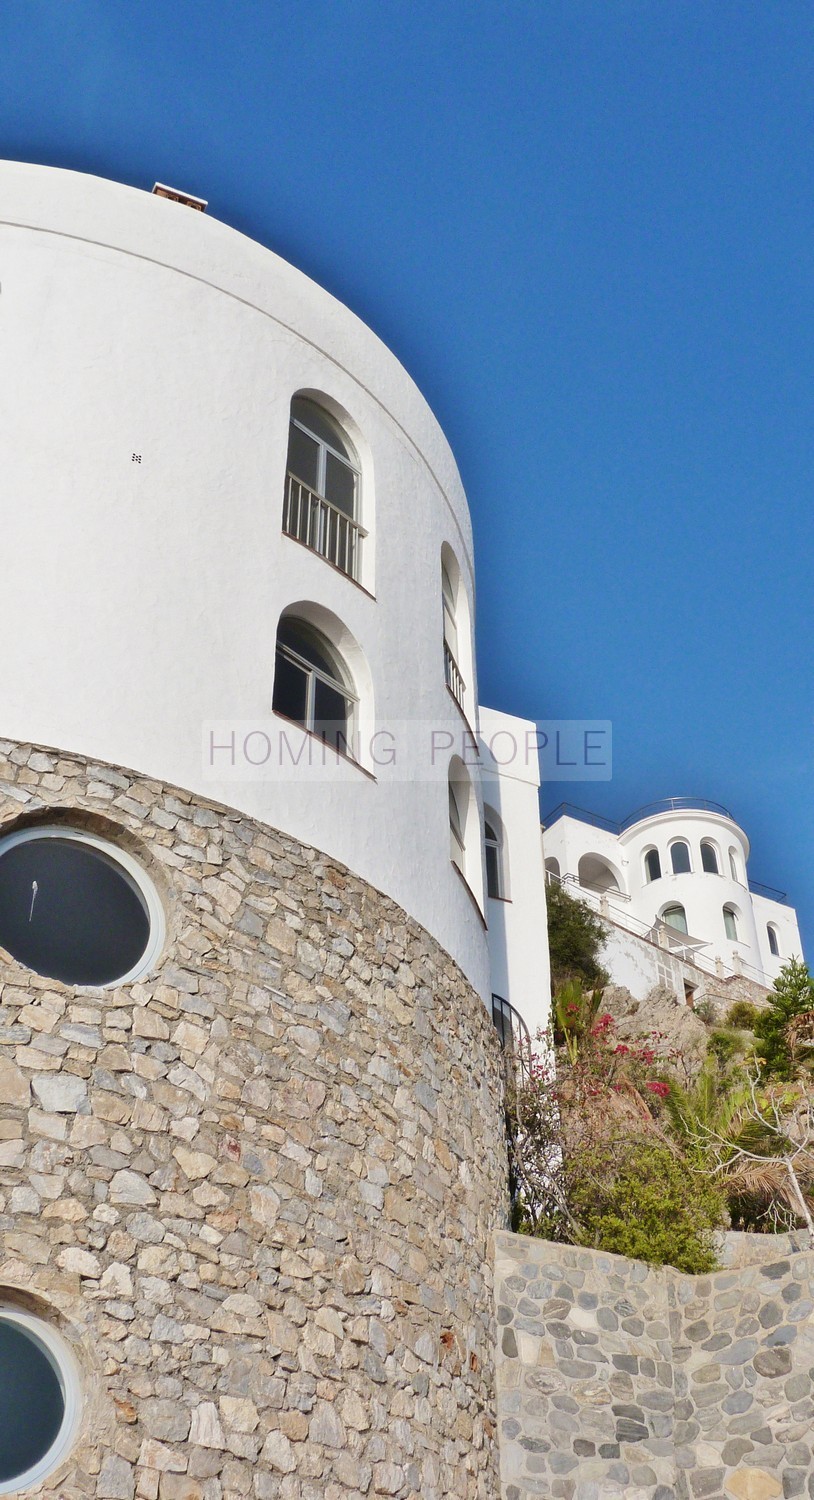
791 997
575 938
647 1202
742 1015
726 1045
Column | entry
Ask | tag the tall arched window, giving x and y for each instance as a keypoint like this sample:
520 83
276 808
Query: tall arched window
680 857
675 916
733 865
652 865
731 923
495 856
774 945
312 685
452 653
322 487
457 825
709 858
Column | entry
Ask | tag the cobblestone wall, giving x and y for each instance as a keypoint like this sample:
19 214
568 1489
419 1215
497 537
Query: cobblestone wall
255 1190
617 1379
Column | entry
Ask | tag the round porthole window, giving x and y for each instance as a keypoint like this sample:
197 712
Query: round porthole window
39 1399
77 909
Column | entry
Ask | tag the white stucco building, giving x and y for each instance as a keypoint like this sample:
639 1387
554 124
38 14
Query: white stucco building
672 883
239 532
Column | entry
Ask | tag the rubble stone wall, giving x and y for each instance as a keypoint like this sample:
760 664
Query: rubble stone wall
255 1190
615 1378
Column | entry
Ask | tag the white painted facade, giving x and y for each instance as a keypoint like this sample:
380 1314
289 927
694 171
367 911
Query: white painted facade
635 873
148 360
518 939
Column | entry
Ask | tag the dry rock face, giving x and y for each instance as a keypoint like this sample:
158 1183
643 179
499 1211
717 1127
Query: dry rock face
663 1015
616 1379
254 1190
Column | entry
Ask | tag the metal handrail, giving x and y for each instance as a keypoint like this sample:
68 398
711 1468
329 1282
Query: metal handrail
454 680
769 891
324 528
514 1036
604 903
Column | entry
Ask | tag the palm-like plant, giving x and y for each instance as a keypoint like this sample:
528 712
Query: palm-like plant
738 1132
575 1015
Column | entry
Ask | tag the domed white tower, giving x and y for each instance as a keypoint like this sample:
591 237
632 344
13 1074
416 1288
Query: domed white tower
674 876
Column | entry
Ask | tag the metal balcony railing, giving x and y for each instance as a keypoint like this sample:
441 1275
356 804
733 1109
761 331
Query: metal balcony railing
455 681
514 1039
311 519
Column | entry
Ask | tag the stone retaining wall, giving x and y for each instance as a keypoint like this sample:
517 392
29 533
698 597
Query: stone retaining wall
255 1189
615 1378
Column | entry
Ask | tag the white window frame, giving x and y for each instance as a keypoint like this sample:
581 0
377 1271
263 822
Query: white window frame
729 912
774 940
132 869
648 878
313 673
66 1369
710 844
498 843
674 844
322 457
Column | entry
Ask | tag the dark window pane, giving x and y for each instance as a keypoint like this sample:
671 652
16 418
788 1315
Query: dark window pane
340 484
290 689
709 859
773 944
324 427
31 1404
303 456
70 912
652 864
331 716
492 872
295 634
680 855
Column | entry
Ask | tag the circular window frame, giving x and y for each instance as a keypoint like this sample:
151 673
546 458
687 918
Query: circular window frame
66 1368
134 872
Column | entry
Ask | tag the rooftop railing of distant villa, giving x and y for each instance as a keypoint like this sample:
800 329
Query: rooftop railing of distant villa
650 810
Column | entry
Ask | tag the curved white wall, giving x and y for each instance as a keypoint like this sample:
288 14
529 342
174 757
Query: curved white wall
702 895
142 598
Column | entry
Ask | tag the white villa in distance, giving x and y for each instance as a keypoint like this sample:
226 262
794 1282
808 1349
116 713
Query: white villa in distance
671 883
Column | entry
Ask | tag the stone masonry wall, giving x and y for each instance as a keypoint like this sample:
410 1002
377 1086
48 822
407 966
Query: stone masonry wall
255 1189
615 1378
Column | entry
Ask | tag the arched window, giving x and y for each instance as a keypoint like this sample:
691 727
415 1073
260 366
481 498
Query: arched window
652 865
495 856
709 858
553 867
452 654
457 824
733 865
731 923
680 857
465 828
774 945
312 686
675 916
322 487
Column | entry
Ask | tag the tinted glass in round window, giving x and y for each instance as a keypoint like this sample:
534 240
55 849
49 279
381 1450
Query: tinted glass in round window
69 910
32 1402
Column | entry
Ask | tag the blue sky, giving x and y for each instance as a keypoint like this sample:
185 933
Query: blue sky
587 229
